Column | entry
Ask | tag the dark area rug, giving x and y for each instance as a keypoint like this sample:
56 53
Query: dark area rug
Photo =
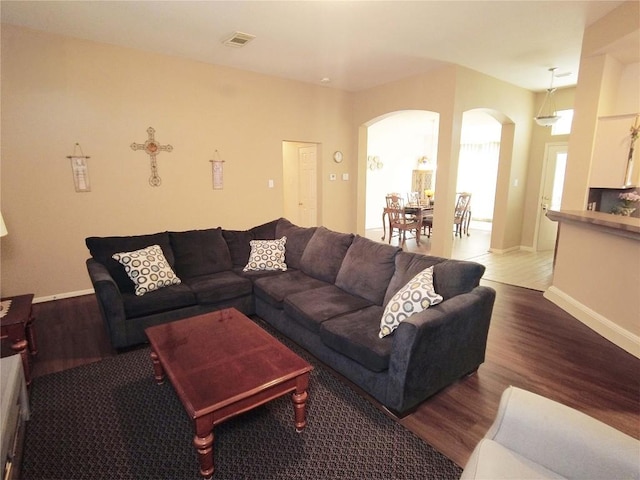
110 420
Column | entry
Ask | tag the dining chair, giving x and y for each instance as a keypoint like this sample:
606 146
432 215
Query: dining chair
413 198
462 216
427 224
461 219
399 220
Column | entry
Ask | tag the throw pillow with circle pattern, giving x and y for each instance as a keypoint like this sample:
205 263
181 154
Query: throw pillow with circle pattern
147 268
417 295
267 255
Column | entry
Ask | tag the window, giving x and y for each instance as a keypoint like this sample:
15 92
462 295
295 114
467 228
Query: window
563 125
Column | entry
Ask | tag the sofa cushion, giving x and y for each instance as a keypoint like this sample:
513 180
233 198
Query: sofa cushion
490 459
450 277
254 275
238 244
267 255
238 241
266 231
147 268
408 265
324 254
417 295
454 277
157 301
200 252
217 287
367 269
297 240
313 307
103 248
355 335
275 289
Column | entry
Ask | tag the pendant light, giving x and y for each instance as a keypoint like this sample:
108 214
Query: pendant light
547 114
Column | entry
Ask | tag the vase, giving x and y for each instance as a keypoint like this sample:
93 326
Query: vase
628 176
623 210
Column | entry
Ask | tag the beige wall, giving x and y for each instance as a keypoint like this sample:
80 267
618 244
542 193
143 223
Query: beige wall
599 93
608 291
596 274
57 91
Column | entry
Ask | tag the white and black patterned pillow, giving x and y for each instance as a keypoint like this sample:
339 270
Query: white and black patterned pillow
417 295
267 255
147 268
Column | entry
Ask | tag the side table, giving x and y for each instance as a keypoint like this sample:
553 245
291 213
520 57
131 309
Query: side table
17 326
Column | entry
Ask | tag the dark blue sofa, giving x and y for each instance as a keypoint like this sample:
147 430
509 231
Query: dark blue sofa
330 301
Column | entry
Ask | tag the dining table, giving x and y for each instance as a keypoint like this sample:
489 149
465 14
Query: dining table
416 209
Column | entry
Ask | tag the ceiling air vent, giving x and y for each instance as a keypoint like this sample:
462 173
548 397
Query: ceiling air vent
238 39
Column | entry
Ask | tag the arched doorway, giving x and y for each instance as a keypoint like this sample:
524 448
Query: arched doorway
478 165
397 144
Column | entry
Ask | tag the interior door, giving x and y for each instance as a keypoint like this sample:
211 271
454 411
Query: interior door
553 171
307 186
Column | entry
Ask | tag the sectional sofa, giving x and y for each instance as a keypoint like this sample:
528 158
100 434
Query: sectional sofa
328 292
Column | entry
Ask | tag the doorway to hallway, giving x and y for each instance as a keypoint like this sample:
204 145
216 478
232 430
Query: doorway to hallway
300 190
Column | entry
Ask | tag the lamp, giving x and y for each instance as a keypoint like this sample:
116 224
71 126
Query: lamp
547 114
3 227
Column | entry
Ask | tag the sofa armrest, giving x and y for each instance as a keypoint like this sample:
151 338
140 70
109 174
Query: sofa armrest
439 345
562 439
109 300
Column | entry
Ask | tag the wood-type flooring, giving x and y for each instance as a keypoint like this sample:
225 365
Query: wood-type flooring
532 344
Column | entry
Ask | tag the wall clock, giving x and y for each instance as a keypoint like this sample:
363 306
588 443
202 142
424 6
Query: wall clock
337 156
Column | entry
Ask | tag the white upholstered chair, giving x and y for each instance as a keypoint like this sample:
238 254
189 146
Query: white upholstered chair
534 437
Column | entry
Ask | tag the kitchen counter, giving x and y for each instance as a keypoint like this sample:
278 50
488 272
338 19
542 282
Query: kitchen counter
606 222
597 272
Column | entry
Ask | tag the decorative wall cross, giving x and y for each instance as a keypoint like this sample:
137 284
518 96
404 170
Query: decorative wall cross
153 148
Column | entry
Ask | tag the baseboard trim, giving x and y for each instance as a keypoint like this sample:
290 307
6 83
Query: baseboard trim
505 250
58 296
596 322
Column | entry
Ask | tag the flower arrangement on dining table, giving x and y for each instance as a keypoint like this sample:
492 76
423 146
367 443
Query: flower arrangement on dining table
428 195
627 204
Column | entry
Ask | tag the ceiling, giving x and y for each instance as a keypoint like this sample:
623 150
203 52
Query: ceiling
354 44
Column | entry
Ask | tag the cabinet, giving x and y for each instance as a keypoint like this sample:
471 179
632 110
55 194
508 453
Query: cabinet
611 152
422 180
14 411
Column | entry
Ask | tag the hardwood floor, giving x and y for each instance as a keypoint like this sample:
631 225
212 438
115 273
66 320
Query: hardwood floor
532 344
535 345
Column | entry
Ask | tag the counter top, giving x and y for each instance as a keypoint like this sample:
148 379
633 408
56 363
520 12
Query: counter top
614 224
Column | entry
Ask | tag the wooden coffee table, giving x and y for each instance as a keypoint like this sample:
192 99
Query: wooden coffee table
222 364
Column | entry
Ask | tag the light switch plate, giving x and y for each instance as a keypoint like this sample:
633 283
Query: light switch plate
345 176
332 176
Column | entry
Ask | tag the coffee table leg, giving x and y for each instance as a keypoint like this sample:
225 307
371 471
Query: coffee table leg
204 447
31 336
300 402
157 368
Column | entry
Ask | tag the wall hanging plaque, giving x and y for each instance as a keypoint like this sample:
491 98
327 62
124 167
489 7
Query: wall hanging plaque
217 171
153 148
80 169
